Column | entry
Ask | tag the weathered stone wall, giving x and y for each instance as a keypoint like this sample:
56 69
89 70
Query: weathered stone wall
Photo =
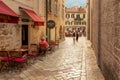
54 33
34 34
108 37
10 36
95 25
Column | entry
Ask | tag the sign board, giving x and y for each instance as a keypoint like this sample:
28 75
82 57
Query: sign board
8 19
25 20
50 24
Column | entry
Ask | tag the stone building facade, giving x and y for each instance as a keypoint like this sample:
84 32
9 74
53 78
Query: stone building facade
75 18
104 29
56 11
25 32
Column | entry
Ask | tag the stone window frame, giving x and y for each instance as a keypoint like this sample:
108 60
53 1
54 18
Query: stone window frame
67 16
56 8
49 6
67 23
72 15
84 15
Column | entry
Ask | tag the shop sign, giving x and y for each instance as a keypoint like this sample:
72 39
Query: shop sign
8 19
50 24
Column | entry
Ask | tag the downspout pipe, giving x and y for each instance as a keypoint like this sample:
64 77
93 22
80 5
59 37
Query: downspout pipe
46 19
99 33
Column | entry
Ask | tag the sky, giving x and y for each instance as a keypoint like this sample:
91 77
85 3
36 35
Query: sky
70 3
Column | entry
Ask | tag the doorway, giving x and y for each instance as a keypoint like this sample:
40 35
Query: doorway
24 34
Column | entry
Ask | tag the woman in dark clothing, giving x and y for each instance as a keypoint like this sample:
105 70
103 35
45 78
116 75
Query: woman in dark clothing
77 35
73 37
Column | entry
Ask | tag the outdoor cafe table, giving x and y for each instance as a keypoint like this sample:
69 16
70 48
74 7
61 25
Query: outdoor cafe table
6 54
21 51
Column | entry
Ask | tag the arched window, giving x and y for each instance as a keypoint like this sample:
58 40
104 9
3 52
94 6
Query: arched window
85 23
67 23
80 23
72 15
75 23
78 16
84 16
67 16
72 22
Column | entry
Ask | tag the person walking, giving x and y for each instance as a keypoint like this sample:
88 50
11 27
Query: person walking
73 37
77 35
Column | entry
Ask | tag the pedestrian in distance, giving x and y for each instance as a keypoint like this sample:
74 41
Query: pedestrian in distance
73 37
77 35
83 32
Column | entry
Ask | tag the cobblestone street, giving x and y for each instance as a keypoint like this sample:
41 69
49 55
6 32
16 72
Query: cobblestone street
68 62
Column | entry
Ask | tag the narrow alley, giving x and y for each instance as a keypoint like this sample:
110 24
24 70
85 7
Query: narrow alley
29 28
68 62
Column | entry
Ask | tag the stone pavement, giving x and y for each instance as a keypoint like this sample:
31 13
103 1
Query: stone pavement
68 62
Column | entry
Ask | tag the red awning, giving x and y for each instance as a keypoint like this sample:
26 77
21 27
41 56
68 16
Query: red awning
7 15
37 20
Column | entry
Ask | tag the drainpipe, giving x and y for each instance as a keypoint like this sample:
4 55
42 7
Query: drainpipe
47 29
46 19
88 21
99 33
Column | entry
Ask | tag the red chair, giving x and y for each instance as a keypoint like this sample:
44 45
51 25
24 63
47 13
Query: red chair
5 59
17 59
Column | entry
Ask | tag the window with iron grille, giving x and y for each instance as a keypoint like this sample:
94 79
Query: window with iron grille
56 9
49 6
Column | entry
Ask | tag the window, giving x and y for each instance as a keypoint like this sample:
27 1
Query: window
84 16
79 23
72 15
67 23
63 13
72 23
75 23
78 16
84 23
49 5
56 9
67 16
